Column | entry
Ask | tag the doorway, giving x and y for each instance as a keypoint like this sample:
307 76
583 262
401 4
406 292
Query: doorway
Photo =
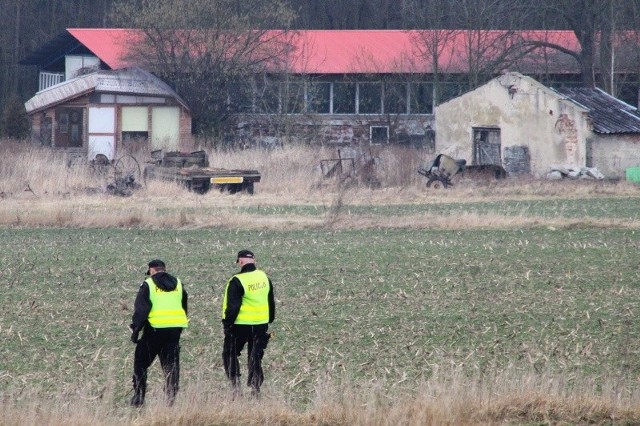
487 146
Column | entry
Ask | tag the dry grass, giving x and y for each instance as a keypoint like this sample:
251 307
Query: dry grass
449 397
41 187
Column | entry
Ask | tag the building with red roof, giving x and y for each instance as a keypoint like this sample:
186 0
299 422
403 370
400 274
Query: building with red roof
345 86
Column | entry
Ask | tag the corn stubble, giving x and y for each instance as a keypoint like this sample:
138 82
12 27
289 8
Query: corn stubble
42 188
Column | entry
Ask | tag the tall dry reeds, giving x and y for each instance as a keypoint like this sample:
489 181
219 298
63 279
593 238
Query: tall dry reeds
290 172
40 171
41 186
449 397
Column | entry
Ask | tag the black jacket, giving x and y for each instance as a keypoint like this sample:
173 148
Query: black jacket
235 292
142 305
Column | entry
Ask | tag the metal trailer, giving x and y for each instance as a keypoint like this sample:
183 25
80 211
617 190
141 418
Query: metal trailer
193 171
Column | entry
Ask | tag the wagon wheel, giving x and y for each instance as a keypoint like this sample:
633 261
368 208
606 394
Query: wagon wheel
438 182
128 166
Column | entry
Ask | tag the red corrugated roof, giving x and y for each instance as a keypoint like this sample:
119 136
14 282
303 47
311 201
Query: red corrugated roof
353 51
108 44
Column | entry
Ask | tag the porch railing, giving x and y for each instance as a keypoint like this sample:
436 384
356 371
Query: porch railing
48 79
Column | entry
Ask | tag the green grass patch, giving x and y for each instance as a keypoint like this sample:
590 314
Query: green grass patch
372 304
628 208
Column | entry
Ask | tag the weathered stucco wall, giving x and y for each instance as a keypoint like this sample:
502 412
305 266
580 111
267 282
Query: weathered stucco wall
613 154
414 130
527 113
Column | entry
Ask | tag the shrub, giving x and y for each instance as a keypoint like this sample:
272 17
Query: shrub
14 122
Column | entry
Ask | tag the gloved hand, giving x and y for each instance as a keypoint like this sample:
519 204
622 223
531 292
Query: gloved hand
228 329
134 334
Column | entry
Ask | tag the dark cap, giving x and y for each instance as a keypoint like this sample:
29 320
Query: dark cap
155 264
246 254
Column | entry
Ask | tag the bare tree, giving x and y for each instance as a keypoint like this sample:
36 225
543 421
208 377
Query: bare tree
492 41
432 43
207 49
589 20
476 38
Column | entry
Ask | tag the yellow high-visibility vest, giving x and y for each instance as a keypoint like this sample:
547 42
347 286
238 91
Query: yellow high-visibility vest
166 307
255 302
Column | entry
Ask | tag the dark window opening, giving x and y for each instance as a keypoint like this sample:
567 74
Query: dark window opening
486 146
240 97
379 135
421 95
369 98
395 98
319 97
135 137
344 98
448 91
293 98
629 93
267 97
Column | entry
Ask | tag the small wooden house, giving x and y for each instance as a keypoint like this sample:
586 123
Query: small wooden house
103 112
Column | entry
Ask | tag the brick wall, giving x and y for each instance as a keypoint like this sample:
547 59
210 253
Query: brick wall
332 129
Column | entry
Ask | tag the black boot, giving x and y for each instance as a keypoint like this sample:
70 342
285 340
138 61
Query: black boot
139 390
236 389
255 392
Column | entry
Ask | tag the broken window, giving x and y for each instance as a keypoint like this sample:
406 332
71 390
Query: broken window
344 98
319 97
421 98
486 146
379 135
395 98
369 98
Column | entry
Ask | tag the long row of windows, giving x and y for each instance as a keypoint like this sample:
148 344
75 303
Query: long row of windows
320 97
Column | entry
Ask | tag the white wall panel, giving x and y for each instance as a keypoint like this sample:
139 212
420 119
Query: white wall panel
165 127
135 119
102 144
102 120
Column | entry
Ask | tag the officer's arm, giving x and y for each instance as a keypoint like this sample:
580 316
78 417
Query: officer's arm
185 304
142 307
272 303
235 291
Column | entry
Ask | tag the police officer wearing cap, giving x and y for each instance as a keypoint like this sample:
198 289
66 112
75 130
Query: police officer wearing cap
160 312
248 308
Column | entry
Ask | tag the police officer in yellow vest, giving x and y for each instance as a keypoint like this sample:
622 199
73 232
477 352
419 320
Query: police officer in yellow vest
247 310
160 312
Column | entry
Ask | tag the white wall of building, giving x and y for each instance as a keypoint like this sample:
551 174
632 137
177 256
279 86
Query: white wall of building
528 114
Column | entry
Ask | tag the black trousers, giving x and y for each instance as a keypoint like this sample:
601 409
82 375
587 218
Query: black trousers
165 344
256 338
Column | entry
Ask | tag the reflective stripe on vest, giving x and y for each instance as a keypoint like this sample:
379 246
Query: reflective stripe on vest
166 306
255 302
